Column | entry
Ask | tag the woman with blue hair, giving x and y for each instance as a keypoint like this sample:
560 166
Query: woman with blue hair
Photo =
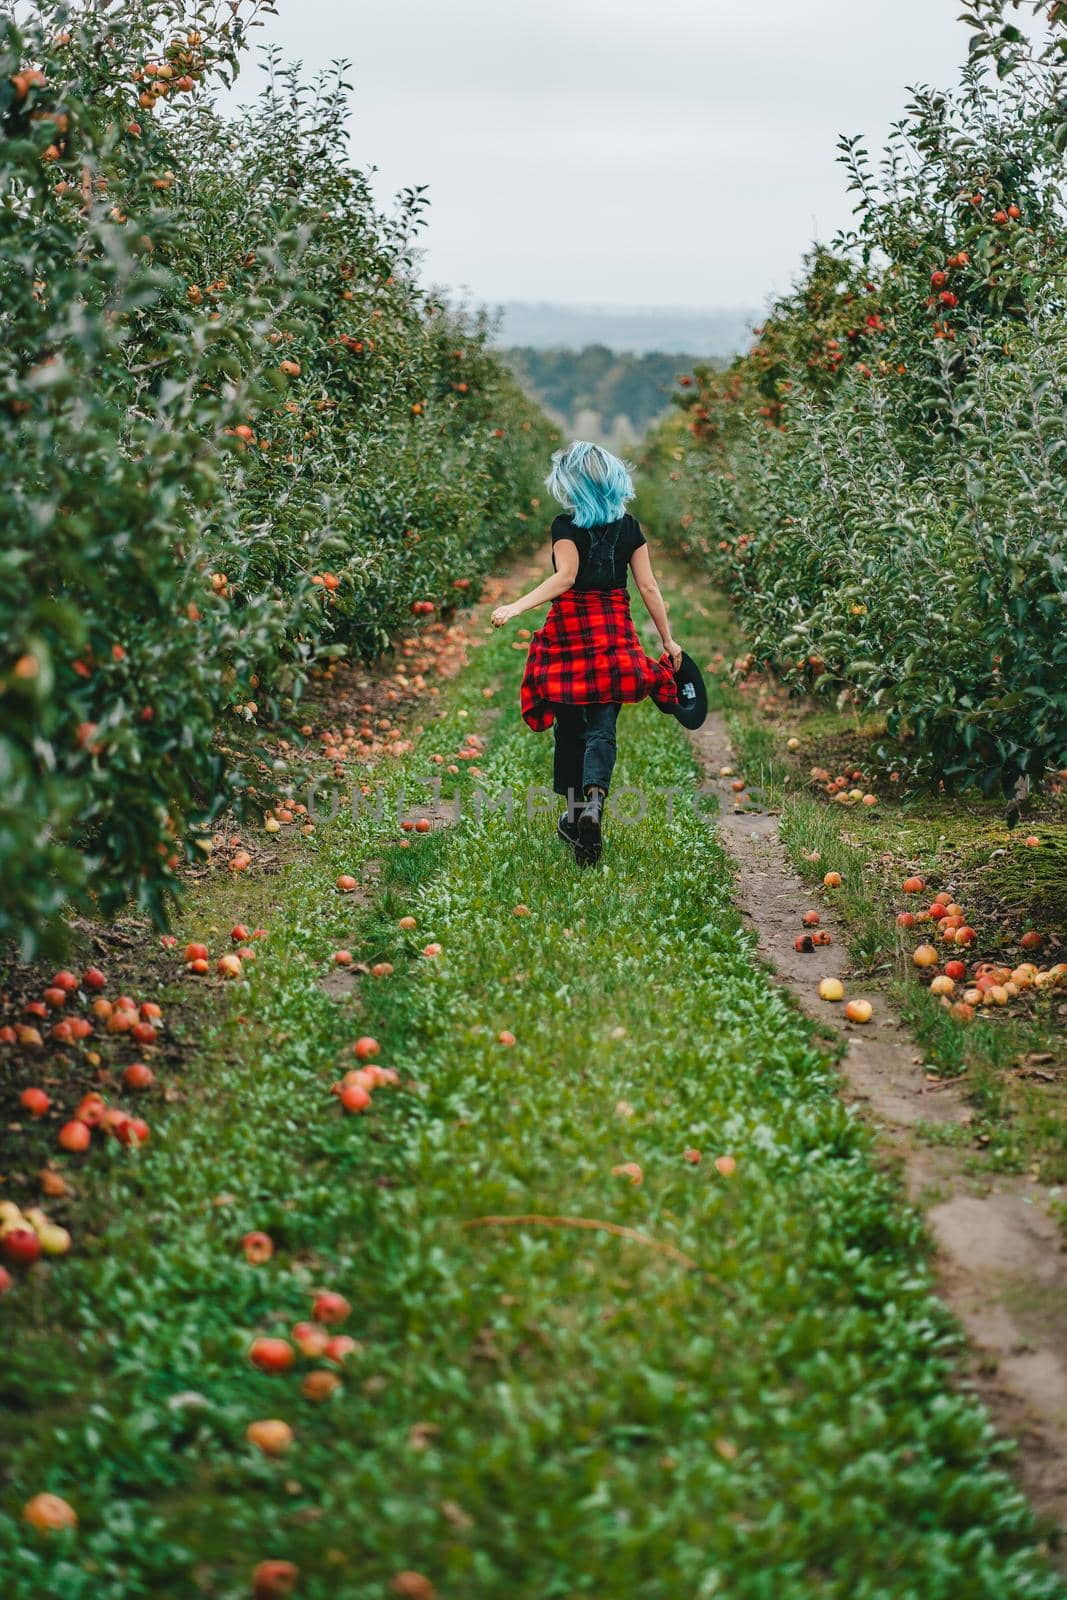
586 662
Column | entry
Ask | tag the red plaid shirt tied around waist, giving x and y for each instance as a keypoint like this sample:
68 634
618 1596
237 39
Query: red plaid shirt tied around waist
588 653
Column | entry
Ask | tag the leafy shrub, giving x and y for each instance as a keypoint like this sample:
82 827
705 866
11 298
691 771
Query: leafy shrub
237 437
880 482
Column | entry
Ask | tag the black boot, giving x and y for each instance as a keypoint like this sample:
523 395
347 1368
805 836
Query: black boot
567 828
590 838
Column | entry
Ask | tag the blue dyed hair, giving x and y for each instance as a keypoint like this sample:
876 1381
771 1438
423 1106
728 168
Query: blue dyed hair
590 483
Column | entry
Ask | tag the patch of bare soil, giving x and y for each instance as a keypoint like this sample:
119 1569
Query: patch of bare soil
1000 1255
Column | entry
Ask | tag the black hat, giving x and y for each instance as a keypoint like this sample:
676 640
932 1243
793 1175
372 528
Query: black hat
692 707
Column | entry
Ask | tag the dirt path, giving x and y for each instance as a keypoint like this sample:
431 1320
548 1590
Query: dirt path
1001 1262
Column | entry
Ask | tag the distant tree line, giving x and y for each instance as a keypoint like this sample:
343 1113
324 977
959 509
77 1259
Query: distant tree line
616 395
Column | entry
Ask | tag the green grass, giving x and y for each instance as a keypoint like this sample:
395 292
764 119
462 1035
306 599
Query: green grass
778 1423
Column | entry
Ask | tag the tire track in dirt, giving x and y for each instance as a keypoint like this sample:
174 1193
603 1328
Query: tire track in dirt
1001 1258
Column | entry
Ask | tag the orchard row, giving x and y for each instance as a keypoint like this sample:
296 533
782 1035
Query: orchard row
237 440
879 482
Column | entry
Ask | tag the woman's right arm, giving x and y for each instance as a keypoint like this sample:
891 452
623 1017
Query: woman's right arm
566 553
645 578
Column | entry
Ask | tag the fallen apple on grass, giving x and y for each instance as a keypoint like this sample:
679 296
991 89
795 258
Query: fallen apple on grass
129 1130
272 1436
831 989
412 1586
329 1307
628 1169
20 1245
859 1011
310 1339
318 1386
360 1078
258 1247
271 1355
49 1513
54 1240
274 1580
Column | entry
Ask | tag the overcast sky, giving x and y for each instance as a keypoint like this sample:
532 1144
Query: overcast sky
622 152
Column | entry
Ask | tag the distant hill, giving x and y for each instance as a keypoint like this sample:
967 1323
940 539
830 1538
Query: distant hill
637 329
596 393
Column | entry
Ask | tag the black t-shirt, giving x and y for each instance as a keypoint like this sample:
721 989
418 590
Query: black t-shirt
603 551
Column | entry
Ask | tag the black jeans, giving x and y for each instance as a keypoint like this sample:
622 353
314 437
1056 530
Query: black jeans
585 748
